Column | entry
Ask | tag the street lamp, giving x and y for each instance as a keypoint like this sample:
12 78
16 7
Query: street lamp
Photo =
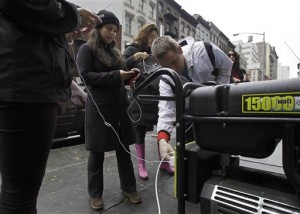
264 51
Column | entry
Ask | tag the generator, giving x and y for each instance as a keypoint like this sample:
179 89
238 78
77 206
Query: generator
249 120
229 122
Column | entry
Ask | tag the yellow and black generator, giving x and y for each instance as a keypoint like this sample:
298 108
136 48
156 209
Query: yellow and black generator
229 122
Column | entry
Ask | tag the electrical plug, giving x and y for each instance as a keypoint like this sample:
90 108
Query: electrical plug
172 161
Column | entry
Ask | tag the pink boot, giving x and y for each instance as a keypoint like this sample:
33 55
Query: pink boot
140 150
166 165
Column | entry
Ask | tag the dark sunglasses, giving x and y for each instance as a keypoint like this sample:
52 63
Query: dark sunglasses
231 55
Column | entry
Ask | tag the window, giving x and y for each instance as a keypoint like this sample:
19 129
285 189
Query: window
167 27
182 27
160 7
140 24
193 33
141 5
198 32
188 30
175 31
128 24
151 11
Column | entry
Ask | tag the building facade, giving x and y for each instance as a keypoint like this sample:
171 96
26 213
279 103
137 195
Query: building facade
270 59
202 29
249 51
188 25
167 19
169 16
283 72
136 13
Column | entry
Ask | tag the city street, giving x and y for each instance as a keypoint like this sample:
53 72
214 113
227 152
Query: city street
64 187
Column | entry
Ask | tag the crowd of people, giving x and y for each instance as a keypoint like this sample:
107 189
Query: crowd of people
37 74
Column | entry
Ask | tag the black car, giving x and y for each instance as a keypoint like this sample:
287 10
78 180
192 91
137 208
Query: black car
71 116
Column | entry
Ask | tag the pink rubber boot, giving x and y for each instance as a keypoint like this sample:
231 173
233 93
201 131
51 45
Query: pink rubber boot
140 150
166 165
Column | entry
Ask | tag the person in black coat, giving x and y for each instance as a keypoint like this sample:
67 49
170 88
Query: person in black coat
237 74
137 52
35 74
108 126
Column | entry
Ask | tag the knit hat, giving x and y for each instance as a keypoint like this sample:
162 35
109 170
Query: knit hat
107 17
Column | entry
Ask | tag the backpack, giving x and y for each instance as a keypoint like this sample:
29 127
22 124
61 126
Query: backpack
211 56
208 48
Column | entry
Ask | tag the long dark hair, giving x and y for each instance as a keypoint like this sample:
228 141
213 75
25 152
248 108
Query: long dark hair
142 37
236 64
99 49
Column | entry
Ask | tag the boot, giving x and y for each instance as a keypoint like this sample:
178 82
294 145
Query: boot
140 150
166 165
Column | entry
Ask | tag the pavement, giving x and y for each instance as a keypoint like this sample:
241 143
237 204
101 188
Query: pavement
64 189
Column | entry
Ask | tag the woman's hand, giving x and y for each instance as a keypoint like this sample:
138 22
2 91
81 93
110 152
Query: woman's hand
125 75
88 22
88 19
140 56
236 79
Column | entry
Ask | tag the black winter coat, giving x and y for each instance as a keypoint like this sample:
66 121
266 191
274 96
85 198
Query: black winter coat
34 66
148 114
109 93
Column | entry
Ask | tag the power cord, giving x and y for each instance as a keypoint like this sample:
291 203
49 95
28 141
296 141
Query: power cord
156 177
140 109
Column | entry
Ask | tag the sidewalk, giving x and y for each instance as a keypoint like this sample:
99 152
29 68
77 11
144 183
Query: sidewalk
64 186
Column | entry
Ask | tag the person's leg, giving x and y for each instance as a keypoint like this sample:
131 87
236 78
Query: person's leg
95 174
126 171
95 179
26 133
140 131
126 174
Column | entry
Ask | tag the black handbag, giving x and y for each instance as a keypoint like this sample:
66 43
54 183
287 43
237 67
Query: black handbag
145 111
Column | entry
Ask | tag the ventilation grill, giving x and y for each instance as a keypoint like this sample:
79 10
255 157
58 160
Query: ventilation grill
229 201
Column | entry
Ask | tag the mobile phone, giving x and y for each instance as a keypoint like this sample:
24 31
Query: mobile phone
136 72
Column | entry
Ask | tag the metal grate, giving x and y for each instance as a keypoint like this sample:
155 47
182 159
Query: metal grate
229 201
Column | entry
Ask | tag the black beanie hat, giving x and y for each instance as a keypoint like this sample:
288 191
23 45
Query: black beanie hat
107 17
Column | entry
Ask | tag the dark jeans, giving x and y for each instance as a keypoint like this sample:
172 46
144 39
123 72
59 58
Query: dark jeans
95 172
26 132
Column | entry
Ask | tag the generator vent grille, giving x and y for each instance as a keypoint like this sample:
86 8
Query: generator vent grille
230 201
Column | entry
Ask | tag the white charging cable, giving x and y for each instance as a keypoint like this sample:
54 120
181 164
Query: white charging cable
156 178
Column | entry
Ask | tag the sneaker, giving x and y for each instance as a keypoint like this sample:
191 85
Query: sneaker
134 197
97 203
